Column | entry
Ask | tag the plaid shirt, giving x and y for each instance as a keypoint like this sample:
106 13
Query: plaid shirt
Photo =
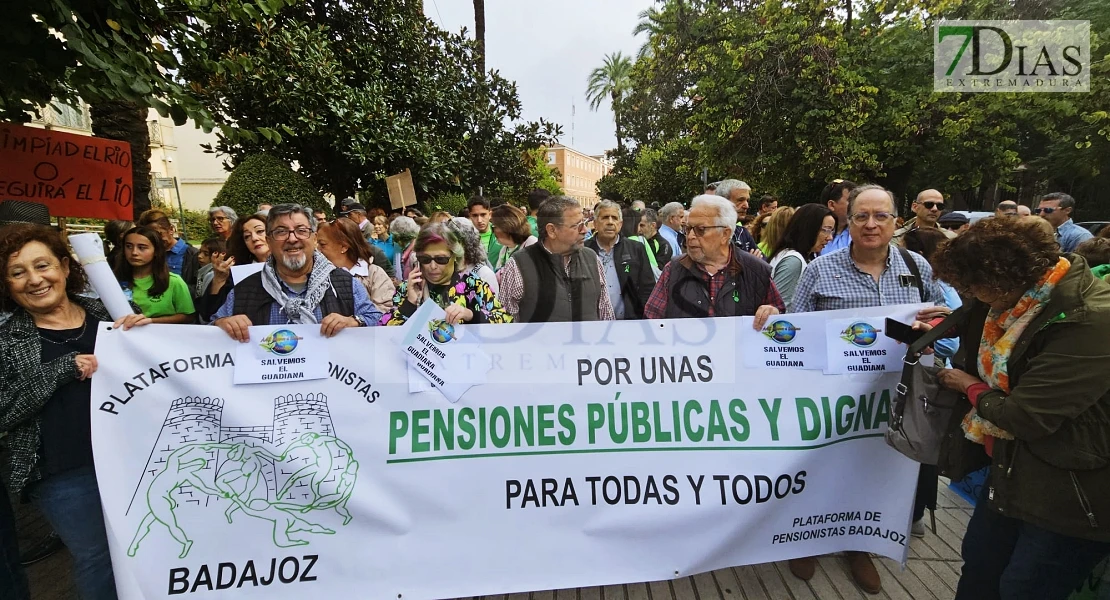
656 307
512 288
835 282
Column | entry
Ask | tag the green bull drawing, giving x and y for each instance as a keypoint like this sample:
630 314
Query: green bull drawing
321 469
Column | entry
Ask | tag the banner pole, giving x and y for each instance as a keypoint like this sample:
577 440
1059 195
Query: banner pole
180 210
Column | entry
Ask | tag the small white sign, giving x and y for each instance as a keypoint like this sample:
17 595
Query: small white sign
795 341
282 353
437 350
241 272
857 345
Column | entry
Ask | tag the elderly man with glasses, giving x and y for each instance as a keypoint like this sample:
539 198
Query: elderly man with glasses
297 284
714 278
870 272
558 279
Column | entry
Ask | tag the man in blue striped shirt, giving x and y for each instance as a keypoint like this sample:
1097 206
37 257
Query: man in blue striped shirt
869 272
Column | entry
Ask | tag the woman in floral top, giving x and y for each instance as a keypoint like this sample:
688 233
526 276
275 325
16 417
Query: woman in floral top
464 297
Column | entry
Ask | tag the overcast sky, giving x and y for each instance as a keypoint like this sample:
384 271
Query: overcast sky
549 48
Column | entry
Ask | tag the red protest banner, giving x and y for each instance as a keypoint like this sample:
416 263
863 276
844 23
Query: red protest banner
73 175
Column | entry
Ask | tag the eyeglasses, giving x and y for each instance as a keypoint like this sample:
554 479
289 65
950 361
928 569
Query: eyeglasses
218 219
578 225
932 205
1048 210
425 259
828 230
951 226
701 230
882 218
301 233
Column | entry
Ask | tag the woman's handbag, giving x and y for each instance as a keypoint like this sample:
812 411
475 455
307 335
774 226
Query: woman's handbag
922 407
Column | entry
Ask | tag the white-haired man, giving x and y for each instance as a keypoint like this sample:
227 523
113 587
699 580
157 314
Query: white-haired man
739 194
714 278
671 216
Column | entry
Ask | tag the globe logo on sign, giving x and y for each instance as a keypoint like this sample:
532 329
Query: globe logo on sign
860 334
441 331
281 342
782 332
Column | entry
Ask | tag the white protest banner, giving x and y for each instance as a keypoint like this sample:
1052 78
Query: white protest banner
566 468
856 344
794 341
281 353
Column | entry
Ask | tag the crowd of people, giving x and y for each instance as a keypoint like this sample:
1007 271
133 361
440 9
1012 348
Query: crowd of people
1029 362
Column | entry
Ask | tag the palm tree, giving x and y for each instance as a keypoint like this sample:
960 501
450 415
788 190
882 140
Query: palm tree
126 121
613 80
480 32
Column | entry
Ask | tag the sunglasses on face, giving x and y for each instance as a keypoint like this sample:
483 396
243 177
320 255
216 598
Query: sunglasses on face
932 205
425 259
1048 210
951 226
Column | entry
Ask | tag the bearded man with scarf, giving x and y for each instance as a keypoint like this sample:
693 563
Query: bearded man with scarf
297 284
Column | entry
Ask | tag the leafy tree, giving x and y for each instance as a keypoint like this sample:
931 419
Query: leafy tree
544 175
356 91
452 202
787 95
121 57
265 179
611 81
110 50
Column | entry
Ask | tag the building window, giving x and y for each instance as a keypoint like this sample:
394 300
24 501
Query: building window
550 158
65 115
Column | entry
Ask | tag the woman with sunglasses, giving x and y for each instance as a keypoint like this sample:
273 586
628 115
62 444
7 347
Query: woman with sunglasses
464 297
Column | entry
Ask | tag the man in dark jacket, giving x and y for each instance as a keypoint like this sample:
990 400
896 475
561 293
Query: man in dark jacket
714 278
628 276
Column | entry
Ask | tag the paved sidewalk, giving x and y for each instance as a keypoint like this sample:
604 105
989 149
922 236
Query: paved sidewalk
934 568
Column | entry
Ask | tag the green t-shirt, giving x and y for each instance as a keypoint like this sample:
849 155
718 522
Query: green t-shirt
175 301
535 227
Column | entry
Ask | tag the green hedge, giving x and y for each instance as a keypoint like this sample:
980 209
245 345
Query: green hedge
265 179
451 203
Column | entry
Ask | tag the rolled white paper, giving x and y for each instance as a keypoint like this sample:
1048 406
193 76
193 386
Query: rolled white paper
90 252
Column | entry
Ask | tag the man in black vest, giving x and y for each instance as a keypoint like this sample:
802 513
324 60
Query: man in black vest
628 276
296 284
557 279
714 278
